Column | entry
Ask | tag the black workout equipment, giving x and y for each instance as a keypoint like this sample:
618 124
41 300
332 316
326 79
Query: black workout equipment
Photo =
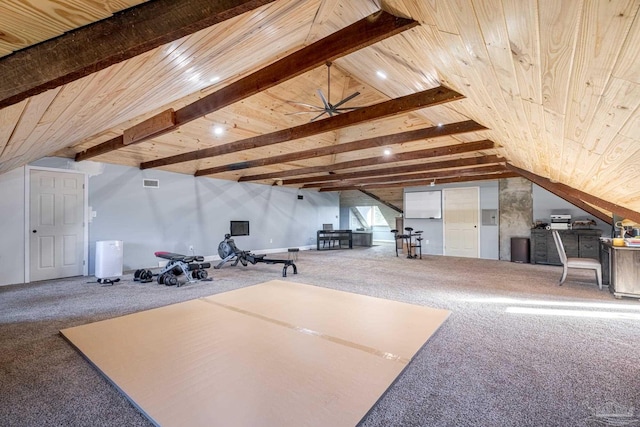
409 242
192 266
143 276
228 250
411 247
397 237
108 282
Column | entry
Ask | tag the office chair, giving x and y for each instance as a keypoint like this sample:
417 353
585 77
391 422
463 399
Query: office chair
567 263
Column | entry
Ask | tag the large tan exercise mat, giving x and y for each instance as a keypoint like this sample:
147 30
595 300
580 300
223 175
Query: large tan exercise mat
274 354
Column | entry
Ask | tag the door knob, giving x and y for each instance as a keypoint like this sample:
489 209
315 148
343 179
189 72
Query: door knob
35 231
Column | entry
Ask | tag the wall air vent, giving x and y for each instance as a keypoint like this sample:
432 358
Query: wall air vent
151 183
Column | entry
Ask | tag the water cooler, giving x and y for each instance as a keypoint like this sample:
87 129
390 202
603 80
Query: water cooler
108 259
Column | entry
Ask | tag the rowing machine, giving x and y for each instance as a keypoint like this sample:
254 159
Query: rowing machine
228 251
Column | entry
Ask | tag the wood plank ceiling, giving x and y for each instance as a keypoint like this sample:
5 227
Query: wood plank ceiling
457 91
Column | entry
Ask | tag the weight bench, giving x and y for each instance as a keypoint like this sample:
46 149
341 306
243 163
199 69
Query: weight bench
192 266
228 251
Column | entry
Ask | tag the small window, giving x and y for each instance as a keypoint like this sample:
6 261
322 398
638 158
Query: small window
367 217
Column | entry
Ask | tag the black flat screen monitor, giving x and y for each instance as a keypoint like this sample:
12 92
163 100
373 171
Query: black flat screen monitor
239 228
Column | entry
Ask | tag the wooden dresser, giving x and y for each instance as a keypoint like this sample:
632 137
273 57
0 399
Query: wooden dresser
577 243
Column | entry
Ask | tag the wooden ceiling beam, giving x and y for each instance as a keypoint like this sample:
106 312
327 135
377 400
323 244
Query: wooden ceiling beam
404 104
379 200
155 125
379 141
94 47
431 176
484 177
358 35
580 198
421 167
466 147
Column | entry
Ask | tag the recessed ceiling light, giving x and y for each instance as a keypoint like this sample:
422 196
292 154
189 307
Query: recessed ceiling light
439 124
387 151
218 130
381 74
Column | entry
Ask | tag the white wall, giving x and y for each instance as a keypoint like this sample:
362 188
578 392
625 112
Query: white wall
187 211
544 204
12 227
433 228
184 211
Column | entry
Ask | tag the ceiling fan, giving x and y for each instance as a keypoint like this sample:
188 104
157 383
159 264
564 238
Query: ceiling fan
327 107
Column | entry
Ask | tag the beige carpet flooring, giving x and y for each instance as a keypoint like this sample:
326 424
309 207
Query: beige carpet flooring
276 354
517 350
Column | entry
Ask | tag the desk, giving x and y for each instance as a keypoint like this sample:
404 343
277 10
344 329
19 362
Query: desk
343 237
362 238
621 268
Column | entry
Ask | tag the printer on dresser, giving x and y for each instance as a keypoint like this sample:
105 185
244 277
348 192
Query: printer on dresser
578 243
560 222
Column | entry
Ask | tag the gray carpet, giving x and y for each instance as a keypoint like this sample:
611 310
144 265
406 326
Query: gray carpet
489 365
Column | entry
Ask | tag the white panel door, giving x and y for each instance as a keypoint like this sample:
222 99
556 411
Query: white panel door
461 213
56 221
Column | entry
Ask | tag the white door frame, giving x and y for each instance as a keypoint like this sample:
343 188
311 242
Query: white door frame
444 251
27 223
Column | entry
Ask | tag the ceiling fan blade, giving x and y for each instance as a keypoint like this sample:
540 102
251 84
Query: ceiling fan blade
345 110
301 112
347 99
315 107
318 116
327 106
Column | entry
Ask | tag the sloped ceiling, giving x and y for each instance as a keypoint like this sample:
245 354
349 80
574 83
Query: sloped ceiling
554 85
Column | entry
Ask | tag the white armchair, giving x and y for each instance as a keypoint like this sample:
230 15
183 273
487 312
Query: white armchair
584 263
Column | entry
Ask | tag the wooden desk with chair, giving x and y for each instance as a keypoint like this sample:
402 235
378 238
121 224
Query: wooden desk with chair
334 239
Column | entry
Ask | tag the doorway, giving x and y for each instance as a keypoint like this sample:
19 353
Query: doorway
56 220
461 219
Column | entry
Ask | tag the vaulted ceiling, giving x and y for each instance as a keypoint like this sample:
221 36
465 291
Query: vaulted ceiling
455 90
